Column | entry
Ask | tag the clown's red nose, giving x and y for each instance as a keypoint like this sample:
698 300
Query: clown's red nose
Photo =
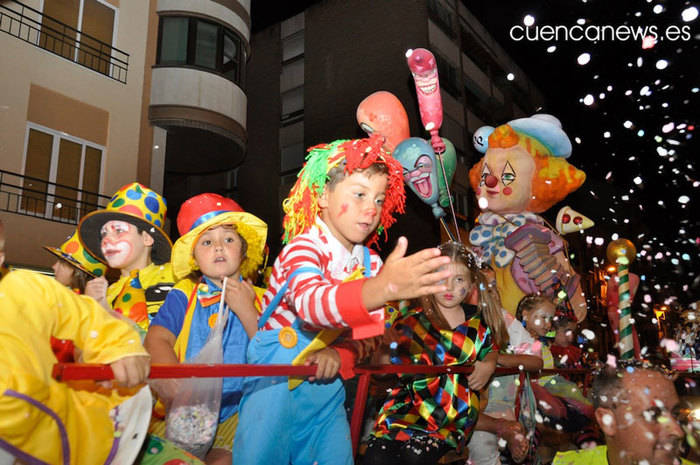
491 181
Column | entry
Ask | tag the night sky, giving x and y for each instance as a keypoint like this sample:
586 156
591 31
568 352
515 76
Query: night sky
634 111
631 113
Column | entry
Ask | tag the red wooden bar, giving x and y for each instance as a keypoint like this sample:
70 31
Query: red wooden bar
97 372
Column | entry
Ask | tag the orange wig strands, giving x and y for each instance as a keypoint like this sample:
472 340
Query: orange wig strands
301 205
554 177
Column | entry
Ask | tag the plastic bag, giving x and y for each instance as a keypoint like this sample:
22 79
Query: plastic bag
193 416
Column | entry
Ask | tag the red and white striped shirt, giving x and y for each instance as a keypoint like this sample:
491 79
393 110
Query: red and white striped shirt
321 301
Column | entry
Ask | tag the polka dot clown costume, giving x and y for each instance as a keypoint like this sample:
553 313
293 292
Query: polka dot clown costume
139 292
74 254
138 205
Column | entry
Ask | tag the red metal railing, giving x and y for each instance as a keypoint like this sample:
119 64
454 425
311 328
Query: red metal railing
75 371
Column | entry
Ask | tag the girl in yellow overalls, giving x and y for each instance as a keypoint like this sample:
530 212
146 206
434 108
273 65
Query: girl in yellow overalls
218 240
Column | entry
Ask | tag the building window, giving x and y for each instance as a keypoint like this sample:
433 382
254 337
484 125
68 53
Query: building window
62 174
442 16
292 157
174 49
292 105
185 41
449 77
293 46
89 36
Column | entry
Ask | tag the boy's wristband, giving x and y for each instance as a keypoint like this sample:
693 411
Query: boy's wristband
348 357
364 324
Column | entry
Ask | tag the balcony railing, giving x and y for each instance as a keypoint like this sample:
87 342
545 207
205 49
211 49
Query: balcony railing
39 198
45 32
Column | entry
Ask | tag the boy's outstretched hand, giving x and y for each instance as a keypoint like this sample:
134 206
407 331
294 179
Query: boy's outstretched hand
327 361
406 277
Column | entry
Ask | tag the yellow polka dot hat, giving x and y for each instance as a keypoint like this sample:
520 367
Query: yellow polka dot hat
73 252
135 204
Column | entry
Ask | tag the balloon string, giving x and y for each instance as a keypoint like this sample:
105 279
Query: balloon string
447 230
449 196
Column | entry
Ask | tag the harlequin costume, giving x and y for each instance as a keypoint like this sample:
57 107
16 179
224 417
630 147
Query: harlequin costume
190 310
314 294
73 253
140 294
439 407
43 420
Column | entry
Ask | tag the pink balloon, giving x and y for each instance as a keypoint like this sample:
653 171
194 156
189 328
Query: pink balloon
423 67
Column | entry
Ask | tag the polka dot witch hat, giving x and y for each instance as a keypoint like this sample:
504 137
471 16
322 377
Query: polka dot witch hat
73 252
135 204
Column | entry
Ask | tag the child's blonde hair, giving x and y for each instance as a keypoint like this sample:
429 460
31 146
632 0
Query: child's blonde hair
488 305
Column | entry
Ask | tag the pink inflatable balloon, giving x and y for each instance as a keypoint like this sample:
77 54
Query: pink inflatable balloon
423 67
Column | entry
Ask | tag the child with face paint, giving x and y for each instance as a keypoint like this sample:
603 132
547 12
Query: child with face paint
561 403
127 236
325 302
427 416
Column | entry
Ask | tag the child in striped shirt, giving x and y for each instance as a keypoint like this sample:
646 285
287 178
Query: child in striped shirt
325 282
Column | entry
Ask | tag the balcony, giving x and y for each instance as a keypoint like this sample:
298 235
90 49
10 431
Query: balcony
199 109
25 195
47 33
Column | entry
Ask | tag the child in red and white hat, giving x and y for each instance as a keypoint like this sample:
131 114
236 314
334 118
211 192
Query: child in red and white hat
219 243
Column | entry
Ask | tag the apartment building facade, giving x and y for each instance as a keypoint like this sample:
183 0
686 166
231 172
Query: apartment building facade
313 69
99 93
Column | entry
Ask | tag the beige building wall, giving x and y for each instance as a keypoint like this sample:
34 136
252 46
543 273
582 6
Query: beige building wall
25 66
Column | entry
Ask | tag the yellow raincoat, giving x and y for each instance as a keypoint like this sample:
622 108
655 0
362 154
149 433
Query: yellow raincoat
46 420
